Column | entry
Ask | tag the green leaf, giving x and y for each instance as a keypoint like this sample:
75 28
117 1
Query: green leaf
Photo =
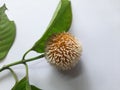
34 88
60 22
23 84
7 33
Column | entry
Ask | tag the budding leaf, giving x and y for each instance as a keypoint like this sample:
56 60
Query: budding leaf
61 22
23 84
7 33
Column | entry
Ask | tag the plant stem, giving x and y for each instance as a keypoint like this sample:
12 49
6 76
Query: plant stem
23 58
27 76
26 66
21 62
14 74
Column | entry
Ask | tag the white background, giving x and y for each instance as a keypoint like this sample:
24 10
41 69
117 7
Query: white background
96 23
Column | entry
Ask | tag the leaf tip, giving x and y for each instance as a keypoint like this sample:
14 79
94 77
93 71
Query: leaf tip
3 8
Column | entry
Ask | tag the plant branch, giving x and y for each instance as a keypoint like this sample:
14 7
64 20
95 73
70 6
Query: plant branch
23 58
14 74
21 62
27 76
26 66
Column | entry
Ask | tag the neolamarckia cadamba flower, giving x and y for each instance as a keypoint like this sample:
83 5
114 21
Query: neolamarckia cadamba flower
63 51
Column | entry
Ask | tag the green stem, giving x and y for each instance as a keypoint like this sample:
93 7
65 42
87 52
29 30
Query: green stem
26 66
27 76
14 75
25 54
21 62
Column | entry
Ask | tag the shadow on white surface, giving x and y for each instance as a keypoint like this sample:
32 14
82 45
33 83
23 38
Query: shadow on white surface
74 79
74 72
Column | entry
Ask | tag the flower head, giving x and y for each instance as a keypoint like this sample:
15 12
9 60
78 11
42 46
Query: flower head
63 51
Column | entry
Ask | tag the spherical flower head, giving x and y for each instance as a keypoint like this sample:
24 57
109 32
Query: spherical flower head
63 51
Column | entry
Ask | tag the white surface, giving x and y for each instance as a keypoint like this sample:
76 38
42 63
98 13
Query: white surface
96 23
